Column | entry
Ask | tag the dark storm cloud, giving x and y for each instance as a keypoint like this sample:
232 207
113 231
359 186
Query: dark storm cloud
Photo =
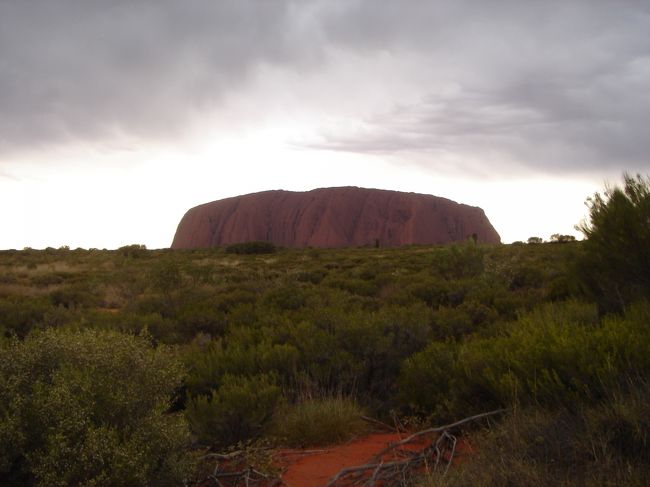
79 69
548 85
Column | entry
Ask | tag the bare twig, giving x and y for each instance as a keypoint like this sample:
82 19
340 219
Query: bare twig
379 423
397 472
222 456
451 452
374 475
234 470
399 427
303 452
360 468
438 429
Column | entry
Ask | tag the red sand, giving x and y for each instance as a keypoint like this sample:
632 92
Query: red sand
312 470
316 468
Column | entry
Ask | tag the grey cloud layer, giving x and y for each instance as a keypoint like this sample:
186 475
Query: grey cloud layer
550 85
84 69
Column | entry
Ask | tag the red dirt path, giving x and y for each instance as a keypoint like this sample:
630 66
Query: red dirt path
316 468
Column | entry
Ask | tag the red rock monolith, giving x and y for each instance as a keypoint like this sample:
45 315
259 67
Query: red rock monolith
333 217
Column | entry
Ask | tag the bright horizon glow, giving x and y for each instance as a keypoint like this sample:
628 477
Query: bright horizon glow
91 205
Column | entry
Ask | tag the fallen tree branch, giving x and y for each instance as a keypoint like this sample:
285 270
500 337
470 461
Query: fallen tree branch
302 452
222 456
397 472
235 470
438 429
388 427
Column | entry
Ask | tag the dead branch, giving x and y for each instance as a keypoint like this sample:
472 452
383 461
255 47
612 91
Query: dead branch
234 470
302 452
381 424
438 429
407 463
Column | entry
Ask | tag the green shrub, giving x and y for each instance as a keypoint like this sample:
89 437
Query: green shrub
426 380
620 425
89 408
324 362
465 319
8 278
238 410
432 290
50 279
255 247
623 344
286 297
527 276
209 365
20 314
458 261
160 329
166 277
75 296
556 355
603 444
197 312
232 298
314 276
383 341
133 251
360 287
318 422
615 265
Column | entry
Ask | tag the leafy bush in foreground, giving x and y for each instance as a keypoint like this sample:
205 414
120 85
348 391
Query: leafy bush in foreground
89 408
603 444
558 355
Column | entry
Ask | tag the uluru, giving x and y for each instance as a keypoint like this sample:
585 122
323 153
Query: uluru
333 217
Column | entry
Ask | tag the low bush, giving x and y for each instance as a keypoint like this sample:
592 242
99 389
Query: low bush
604 444
459 261
21 314
133 251
314 276
50 279
75 296
319 422
356 286
285 297
237 410
557 355
255 247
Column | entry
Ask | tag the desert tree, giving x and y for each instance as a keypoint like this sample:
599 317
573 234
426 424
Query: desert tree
615 266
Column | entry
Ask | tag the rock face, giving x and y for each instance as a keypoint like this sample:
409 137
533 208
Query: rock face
333 217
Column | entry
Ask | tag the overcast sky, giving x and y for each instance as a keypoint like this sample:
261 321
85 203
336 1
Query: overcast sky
118 116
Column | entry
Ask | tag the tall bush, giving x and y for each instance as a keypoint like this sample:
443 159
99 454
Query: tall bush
616 262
